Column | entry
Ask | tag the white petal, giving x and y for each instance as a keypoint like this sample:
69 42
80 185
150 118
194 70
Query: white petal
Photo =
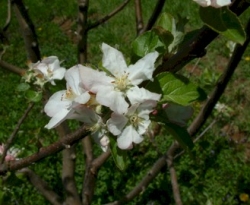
72 77
59 73
143 69
220 3
143 126
125 140
116 123
140 95
83 98
52 62
113 60
55 103
112 99
203 3
58 118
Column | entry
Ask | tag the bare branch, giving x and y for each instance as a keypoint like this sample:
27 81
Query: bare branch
41 186
82 30
68 169
7 22
28 31
13 135
157 11
108 16
57 146
173 175
138 16
12 68
99 161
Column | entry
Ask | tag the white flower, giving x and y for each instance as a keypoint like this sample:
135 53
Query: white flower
11 153
63 104
48 70
111 91
130 127
213 3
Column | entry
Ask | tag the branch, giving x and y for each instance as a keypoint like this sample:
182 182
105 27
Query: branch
157 11
108 16
138 16
28 31
195 47
13 135
7 22
12 68
68 168
82 30
61 144
41 186
173 175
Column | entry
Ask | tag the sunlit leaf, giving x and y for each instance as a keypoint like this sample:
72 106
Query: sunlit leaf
176 88
146 43
223 21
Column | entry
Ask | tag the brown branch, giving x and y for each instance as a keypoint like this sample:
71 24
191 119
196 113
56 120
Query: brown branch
138 17
82 30
41 186
195 47
173 175
57 146
68 168
157 11
99 161
108 16
7 22
28 31
12 68
89 178
13 135
194 127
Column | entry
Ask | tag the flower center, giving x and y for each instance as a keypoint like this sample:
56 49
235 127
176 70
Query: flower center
122 82
69 95
134 120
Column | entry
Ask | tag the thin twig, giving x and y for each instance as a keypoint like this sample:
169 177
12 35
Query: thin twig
108 16
57 146
7 22
13 135
41 186
82 30
138 17
12 68
153 18
28 31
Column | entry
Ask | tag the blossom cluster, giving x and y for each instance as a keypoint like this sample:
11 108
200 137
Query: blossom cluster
110 103
213 3
11 153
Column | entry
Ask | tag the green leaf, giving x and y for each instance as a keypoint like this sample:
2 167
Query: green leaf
223 21
33 95
146 43
23 87
119 156
176 88
165 36
166 21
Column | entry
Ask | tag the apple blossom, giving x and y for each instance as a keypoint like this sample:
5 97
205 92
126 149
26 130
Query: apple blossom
11 153
213 3
47 70
130 127
111 91
62 104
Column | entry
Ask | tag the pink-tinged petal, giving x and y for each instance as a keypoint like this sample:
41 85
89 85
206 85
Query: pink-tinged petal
93 80
56 103
140 95
143 69
113 60
116 123
58 118
113 99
